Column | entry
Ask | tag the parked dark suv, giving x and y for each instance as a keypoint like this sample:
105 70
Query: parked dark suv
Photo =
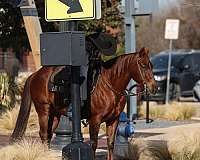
185 72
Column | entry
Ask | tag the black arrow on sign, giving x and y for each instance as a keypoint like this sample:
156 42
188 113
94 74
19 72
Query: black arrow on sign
74 6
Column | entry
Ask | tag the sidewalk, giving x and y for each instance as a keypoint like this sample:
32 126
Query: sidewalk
168 133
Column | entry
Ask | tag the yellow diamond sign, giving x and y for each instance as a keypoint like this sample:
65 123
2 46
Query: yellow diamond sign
62 10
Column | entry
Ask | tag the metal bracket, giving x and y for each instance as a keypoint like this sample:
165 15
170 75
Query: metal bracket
128 20
28 11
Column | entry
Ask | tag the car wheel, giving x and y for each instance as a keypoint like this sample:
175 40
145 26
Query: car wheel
175 91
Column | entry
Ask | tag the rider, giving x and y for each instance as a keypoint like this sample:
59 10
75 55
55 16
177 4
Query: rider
100 47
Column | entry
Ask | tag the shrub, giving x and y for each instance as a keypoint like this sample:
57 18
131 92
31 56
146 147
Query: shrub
184 146
180 112
188 146
174 111
8 120
147 150
28 150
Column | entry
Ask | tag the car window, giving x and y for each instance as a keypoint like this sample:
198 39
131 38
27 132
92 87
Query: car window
196 61
161 61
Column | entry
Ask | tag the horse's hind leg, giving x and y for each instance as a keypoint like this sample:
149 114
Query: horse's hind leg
94 125
43 116
111 132
49 131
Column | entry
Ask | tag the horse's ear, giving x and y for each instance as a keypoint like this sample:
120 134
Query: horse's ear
143 52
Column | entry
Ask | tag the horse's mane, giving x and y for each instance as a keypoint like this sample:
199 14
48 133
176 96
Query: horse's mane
117 66
108 64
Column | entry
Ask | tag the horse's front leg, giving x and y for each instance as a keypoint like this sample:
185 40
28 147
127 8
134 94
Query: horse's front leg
94 125
110 132
55 122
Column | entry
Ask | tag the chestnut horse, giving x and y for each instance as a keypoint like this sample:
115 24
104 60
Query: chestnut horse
107 99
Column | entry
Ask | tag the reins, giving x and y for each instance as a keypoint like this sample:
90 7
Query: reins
126 92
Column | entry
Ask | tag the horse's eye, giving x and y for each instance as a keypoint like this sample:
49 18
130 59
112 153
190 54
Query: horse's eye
144 66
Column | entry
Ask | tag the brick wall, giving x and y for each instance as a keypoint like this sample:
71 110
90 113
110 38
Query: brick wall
28 61
8 59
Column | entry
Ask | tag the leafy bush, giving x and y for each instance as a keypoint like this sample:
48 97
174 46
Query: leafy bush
3 90
8 91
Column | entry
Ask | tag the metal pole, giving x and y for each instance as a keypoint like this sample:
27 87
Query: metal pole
130 44
76 122
75 90
168 72
147 106
76 150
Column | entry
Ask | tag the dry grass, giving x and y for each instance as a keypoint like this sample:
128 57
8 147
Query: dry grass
28 150
180 112
146 150
184 146
174 111
8 120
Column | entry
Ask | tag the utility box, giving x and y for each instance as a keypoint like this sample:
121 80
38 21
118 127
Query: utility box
63 48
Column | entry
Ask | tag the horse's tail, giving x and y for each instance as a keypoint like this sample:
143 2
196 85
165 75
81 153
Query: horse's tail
24 113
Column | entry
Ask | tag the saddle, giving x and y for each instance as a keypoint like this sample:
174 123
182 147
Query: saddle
59 83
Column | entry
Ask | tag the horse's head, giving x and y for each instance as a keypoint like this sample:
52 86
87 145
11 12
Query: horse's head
144 67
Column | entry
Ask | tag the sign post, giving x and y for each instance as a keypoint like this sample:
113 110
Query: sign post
171 33
76 150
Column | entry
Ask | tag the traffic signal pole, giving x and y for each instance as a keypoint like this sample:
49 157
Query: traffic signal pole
130 45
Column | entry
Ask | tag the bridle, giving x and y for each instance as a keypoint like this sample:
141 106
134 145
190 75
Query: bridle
143 67
128 92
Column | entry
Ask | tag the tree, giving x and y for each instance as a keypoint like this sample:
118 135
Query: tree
13 33
151 34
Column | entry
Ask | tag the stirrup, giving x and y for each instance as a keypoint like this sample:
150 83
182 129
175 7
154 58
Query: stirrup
85 123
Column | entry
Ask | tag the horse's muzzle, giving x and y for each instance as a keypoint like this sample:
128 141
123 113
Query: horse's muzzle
152 87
